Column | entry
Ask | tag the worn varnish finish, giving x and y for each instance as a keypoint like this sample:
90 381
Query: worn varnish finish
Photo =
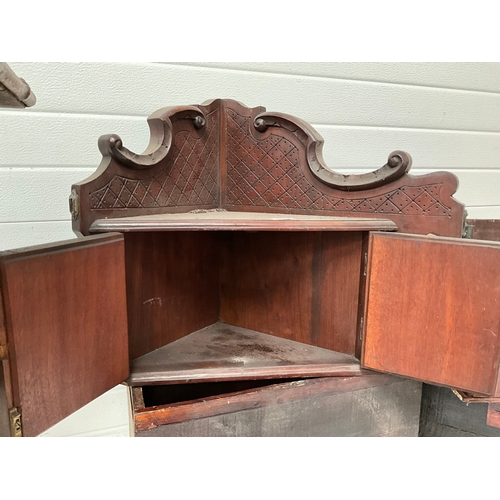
222 220
223 352
432 309
224 155
65 319
299 286
373 405
172 286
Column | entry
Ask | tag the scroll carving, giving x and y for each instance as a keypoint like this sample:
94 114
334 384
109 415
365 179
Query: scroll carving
266 172
188 178
398 163
221 154
160 126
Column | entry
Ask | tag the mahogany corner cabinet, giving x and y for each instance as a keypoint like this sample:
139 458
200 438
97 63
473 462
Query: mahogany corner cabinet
239 286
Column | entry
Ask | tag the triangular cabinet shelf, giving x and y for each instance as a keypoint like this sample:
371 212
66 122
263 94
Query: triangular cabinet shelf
222 352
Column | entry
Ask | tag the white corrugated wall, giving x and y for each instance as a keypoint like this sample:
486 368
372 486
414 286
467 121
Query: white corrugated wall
446 115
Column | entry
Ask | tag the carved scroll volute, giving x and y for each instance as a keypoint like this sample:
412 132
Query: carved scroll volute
398 163
160 126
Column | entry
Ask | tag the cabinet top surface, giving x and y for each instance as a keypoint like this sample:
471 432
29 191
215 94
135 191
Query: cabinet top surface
222 220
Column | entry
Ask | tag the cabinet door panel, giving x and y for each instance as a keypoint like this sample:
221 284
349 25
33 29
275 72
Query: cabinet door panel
66 326
432 310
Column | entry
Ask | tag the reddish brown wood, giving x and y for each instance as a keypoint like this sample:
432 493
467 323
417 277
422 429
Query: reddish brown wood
269 172
221 220
485 229
223 352
65 312
431 310
172 286
233 163
186 178
298 286
151 417
493 415
398 163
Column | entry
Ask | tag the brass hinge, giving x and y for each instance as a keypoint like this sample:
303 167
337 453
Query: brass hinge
467 229
361 324
16 425
74 204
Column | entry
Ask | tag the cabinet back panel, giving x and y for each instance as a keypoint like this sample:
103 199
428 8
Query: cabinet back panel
299 286
172 286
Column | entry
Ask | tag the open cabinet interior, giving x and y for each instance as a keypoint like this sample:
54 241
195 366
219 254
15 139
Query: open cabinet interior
222 305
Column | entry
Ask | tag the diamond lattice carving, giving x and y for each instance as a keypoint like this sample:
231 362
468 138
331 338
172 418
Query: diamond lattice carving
267 173
190 177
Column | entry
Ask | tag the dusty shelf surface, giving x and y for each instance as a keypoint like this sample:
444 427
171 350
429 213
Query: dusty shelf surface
224 352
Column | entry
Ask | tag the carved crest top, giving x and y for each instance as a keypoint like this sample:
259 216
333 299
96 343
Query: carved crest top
222 154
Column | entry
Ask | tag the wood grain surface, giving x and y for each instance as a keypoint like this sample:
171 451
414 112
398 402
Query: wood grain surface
172 286
299 286
65 311
432 312
222 220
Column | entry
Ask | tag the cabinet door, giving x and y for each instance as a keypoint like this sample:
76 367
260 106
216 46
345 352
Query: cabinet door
63 329
432 310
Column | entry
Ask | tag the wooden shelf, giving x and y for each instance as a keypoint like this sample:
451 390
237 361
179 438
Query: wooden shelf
221 220
223 352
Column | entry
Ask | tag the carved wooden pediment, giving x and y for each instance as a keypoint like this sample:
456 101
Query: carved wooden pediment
224 155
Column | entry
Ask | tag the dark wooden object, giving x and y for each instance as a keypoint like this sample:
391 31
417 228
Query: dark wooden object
485 229
221 155
172 286
231 215
14 91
